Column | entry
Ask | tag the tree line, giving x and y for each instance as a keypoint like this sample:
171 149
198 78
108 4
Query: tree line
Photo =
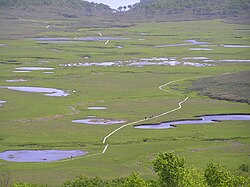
172 171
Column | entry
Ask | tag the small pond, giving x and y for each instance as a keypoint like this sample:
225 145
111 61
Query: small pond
33 69
2 102
100 39
119 47
235 46
89 64
195 42
98 121
48 91
79 39
39 155
48 72
97 108
234 61
201 120
16 80
188 42
200 49
195 58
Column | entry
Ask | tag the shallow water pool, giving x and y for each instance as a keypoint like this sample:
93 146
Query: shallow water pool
98 121
202 120
48 91
39 155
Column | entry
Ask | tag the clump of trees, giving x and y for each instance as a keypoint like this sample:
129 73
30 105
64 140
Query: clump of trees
172 171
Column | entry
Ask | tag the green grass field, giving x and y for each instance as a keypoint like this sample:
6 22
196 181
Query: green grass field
34 121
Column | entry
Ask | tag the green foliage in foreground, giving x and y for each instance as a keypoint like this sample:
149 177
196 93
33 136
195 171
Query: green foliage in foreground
172 172
218 175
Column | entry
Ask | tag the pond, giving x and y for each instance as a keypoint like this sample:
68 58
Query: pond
49 72
48 91
97 108
33 69
98 121
16 80
234 61
202 120
188 42
235 46
89 64
59 40
39 155
195 42
2 102
201 49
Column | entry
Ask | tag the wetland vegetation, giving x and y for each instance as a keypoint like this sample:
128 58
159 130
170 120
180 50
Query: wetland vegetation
154 77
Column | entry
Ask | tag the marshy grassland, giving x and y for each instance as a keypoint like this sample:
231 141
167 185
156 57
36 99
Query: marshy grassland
33 121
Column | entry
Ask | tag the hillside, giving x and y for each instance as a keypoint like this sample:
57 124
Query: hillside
51 8
198 7
234 11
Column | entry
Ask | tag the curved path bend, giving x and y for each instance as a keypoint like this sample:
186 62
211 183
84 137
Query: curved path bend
154 117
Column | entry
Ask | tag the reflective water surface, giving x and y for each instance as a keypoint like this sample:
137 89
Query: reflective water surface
48 91
201 120
39 155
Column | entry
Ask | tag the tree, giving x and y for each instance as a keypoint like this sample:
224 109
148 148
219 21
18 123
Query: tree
120 8
129 6
28 185
218 176
133 180
84 181
172 172
124 7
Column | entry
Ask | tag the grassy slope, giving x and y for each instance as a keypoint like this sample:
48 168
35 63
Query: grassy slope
34 121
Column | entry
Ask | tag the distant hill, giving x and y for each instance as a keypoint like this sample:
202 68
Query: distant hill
52 8
197 7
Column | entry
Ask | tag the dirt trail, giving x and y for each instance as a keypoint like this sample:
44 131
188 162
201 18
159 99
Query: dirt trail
154 117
